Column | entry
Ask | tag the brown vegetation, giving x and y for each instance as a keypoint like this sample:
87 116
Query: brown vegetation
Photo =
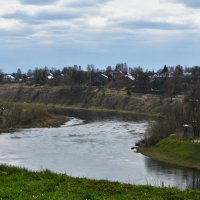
23 115
174 116
82 96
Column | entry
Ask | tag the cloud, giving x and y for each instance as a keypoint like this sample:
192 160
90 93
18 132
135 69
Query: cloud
97 20
37 2
189 3
10 25
41 16
155 25
82 4
98 27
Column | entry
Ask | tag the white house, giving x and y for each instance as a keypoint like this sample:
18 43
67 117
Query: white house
9 78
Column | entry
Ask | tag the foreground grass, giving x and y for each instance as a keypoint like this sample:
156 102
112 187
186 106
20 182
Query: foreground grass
21 184
177 151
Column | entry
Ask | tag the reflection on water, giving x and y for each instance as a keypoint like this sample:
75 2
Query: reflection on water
91 115
98 149
181 177
195 182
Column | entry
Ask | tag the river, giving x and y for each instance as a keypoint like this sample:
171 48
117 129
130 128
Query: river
97 149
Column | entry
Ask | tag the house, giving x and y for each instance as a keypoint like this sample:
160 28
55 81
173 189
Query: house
50 76
117 75
100 80
130 77
9 78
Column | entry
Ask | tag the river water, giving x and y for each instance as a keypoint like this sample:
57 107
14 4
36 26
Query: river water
97 149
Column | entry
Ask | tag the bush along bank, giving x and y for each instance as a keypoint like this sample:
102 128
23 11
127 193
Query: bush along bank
26 115
174 115
16 183
161 145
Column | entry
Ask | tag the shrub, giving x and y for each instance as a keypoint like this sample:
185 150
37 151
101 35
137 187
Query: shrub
38 111
160 130
174 116
21 114
26 117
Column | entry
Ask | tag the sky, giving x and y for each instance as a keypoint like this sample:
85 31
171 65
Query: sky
61 33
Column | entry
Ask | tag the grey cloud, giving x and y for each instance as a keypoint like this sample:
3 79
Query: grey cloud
73 10
36 2
23 17
43 16
58 15
154 25
189 3
87 3
81 4
20 33
19 36
17 15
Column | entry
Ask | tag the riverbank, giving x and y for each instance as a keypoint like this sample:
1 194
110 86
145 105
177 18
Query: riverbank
51 121
176 151
17 183
83 96
62 110
14 116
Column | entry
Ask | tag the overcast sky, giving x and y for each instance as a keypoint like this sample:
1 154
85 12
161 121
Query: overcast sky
59 33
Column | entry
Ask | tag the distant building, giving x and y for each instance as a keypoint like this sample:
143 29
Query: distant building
187 74
8 78
119 75
50 76
116 75
100 80
129 76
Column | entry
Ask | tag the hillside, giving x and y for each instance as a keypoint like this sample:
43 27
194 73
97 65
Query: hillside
85 97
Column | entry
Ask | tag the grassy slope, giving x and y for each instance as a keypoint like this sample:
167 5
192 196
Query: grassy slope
82 96
176 151
21 184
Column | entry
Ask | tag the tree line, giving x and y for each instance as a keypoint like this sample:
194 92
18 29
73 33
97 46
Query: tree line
167 80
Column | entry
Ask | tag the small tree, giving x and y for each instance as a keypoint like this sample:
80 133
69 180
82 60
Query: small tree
19 73
40 76
1 75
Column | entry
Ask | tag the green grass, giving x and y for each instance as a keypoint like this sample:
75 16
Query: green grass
176 151
21 184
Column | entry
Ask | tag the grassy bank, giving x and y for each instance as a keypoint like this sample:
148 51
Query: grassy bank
21 184
26 115
176 151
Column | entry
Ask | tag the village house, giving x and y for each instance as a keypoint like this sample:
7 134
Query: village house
8 78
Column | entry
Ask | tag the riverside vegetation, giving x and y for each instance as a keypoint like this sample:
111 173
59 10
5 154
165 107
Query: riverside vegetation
17 183
23 115
165 140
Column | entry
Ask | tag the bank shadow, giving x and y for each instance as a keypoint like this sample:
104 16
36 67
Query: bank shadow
183 178
95 115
